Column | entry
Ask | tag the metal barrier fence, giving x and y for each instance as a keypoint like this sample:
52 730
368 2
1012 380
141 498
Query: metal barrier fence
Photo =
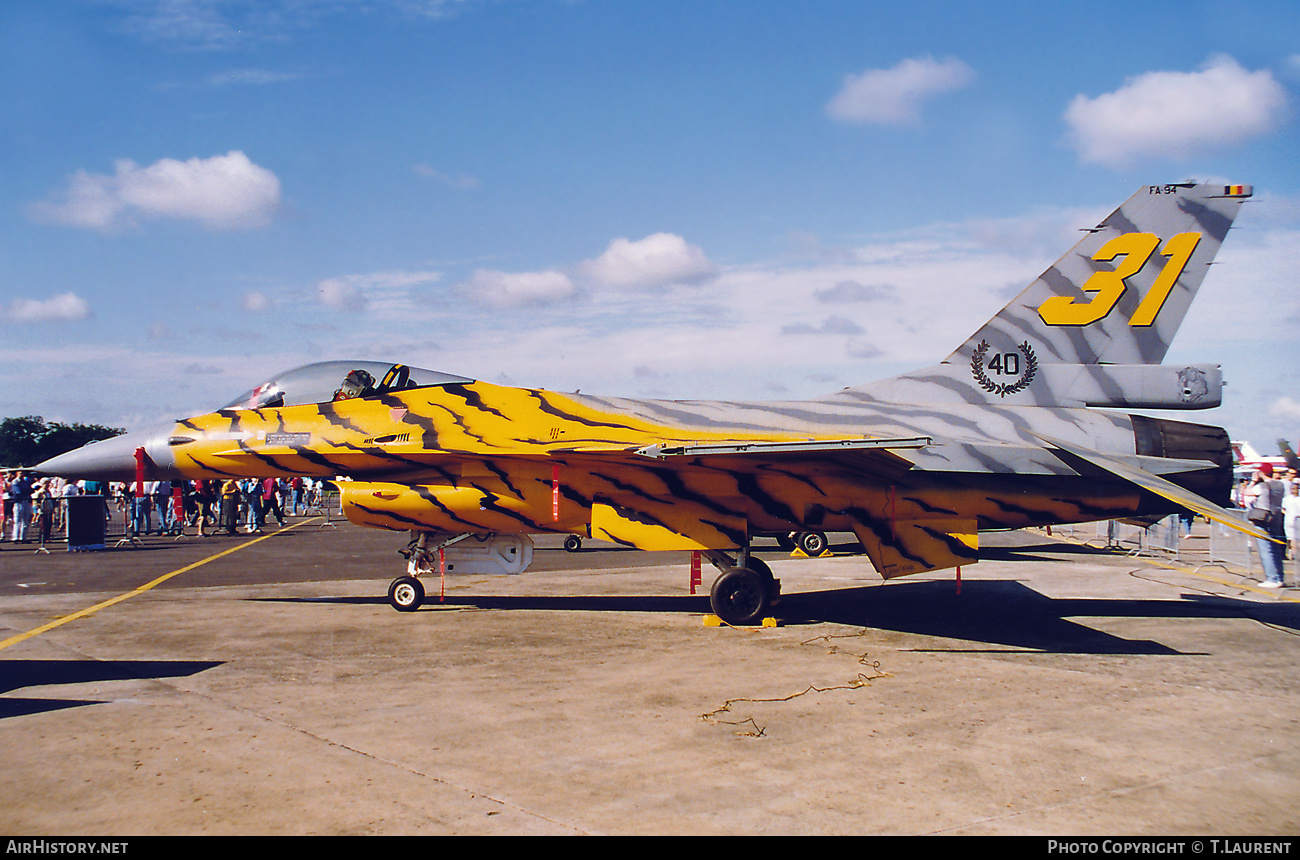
1206 544
54 513
119 525
327 504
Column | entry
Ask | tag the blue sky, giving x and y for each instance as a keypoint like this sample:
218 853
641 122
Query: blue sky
743 200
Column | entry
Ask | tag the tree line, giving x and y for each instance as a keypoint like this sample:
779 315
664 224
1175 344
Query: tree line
30 440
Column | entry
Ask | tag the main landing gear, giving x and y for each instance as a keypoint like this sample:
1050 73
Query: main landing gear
743 594
813 544
745 589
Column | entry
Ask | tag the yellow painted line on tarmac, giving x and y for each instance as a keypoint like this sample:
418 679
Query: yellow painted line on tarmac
1271 592
59 622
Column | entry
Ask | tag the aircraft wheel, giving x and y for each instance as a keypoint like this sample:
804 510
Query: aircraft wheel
740 596
573 543
812 543
406 594
773 584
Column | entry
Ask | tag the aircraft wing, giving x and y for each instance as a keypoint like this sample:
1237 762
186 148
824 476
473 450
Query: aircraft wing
686 514
812 446
1154 483
896 545
875 458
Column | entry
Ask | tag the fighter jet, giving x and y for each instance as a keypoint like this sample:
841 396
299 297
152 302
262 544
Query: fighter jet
1010 430
1247 460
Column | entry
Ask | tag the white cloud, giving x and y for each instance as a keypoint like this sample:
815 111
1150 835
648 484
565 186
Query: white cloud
830 325
851 291
63 308
804 245
1285 407
388 293
342 295
221 25
894 96
1175 113
657 260
504 289
225 192
255 301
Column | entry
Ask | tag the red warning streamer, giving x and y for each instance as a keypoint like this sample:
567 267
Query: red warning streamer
555 492
139 473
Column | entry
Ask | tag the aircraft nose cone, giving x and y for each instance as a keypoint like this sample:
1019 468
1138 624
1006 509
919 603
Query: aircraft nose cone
114 459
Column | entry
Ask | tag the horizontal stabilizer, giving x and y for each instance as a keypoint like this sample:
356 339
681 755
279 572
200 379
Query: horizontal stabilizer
1155 484
903 547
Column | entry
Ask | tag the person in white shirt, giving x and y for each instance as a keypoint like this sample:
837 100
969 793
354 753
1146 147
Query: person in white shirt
1291 517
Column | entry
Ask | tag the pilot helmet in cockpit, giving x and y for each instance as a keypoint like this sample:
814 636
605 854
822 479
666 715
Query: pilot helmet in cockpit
358 383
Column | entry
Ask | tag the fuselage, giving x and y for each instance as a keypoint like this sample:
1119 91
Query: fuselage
472 456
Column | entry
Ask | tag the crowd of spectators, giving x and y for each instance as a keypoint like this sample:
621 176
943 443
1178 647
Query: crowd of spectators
33 509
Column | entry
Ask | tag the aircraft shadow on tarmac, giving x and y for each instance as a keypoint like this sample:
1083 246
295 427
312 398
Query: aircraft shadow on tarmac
17 674
1033 552
1011 615
1004 615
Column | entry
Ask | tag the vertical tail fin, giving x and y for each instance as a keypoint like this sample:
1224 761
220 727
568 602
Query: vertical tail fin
1093 329
1119 295
1292 461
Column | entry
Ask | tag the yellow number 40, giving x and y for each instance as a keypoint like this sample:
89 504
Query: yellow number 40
1109 285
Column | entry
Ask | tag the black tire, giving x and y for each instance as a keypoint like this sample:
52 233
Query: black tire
812 543
406 594
786 542
773 584
740 596
573 543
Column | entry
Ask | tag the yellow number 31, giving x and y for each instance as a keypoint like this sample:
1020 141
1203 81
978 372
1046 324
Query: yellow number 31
1109 285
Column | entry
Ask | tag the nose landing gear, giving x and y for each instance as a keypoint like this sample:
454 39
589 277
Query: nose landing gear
406 593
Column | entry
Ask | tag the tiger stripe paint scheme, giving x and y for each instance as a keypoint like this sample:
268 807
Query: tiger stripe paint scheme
998 436
484 458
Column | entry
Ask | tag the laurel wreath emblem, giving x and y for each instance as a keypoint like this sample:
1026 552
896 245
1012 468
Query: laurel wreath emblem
999 388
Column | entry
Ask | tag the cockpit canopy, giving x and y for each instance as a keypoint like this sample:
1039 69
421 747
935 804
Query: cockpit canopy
338 380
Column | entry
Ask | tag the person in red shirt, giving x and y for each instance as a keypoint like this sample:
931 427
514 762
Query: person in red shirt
270 501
